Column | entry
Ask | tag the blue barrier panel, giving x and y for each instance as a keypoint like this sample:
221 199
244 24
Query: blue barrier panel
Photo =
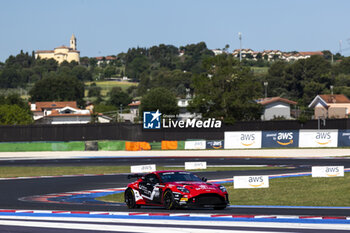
344 137
215 145
285 138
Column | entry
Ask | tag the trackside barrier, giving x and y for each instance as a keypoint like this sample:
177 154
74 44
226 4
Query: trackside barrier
195 145
169 145
287 138
309 138
136 146
42 146
216 145
344 137
276 139
242 140
318 138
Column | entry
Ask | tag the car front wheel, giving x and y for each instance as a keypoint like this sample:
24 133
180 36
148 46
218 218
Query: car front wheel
169 202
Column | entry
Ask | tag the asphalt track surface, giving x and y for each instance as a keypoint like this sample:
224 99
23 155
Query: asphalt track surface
12 190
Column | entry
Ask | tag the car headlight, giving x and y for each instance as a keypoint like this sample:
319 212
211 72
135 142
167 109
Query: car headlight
223 189
183 189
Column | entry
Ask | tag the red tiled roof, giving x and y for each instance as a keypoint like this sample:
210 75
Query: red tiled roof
106 58
331 99
40 106
135 103
275 99
311 53
44 51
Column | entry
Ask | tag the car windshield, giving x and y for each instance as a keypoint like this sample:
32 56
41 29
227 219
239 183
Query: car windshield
178 176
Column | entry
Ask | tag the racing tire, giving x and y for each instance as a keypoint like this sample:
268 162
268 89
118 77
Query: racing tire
130 199
168 200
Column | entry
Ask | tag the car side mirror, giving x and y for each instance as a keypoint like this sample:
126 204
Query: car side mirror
204 179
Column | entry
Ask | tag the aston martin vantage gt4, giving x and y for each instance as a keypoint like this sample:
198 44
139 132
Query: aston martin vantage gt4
174 189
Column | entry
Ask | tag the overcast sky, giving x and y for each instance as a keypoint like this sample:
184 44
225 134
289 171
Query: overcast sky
106 27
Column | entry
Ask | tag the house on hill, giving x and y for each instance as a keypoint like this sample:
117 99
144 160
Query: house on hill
61 112
330 106
276 107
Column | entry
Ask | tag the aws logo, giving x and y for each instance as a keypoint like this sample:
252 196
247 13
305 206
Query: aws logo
323 138
332 171
247 139
285 139
256 181
215 144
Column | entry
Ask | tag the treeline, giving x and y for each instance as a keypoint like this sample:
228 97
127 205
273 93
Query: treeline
221 86
302 80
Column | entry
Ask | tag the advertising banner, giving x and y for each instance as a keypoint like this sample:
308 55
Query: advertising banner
195 145
242 139
344 137
287 138
215 145
327 171
242 182
318 138
143 168
195 165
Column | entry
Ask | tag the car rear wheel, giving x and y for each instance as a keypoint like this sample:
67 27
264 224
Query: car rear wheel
169 202
130 199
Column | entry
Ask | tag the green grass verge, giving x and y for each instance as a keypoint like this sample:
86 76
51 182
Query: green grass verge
41 146
296 191
293 191
21 171
117 198
106 86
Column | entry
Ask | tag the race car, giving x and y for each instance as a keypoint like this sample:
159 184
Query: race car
173 189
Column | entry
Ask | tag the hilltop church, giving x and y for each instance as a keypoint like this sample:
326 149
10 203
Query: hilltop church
62 53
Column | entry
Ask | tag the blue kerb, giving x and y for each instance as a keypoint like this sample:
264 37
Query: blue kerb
83 198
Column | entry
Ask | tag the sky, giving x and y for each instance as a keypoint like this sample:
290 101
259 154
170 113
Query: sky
109 27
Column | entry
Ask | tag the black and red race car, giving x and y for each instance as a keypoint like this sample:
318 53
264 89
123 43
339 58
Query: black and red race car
173 189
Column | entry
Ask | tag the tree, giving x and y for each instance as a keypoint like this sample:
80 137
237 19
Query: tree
118 97
194 55
58 88
176 80
343 67
81 73
301 80
14 99
159 99
136 67
227 91
94 91
109 71
14 115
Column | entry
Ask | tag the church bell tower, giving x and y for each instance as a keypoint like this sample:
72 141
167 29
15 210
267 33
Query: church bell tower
73 42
